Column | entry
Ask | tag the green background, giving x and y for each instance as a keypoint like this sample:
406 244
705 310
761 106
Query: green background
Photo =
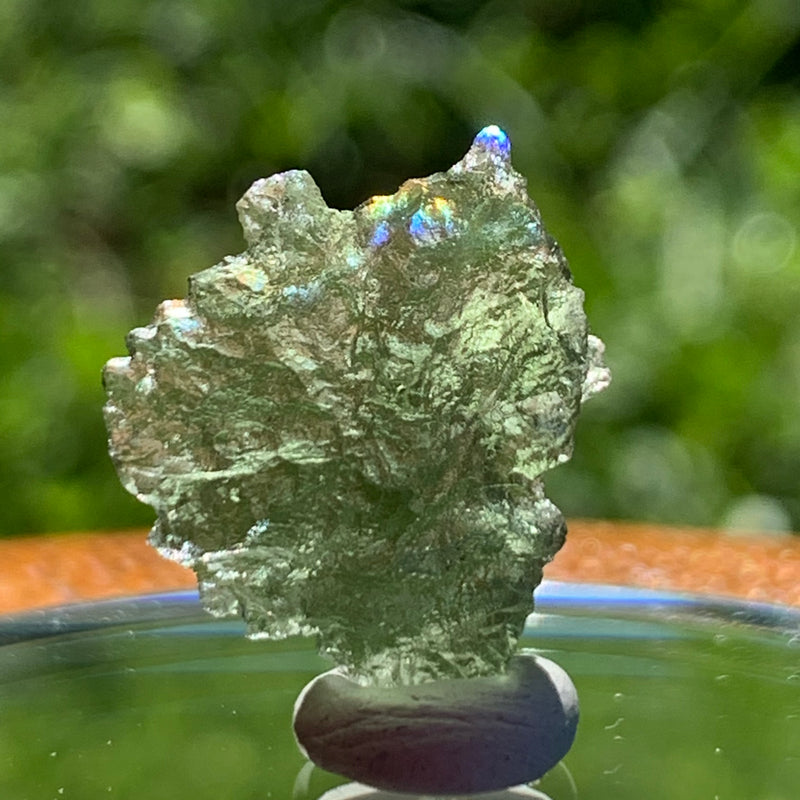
660 139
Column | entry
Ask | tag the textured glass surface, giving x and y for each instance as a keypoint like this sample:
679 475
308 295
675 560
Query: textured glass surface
342 429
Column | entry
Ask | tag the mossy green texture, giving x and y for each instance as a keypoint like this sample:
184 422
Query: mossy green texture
342 429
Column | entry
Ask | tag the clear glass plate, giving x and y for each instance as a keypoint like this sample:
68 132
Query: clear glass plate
682 697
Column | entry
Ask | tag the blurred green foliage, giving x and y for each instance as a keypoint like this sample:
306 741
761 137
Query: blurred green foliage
661 139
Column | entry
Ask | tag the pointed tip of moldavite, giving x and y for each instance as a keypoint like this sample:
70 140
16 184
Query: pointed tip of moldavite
490 155
495 140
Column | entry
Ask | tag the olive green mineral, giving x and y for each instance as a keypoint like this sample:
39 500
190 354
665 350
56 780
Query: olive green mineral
342 429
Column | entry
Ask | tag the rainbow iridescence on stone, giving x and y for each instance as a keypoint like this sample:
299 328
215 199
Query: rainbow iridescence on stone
342 429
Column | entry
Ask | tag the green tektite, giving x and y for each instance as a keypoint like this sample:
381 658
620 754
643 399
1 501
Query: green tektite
342 429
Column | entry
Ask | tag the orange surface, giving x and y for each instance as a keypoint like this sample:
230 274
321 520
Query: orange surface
759 567
41 571
38 571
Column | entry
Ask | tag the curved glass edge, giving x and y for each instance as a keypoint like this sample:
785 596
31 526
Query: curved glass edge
551 598
99 614
561 597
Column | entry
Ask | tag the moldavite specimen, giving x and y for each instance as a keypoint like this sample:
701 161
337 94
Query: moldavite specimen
342 429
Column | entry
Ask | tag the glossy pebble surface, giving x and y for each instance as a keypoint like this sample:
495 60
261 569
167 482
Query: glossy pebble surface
443 737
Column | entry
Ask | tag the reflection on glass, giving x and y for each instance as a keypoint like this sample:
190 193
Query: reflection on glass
184 707
357 791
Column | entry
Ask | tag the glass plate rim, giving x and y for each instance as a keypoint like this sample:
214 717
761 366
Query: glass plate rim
550 597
